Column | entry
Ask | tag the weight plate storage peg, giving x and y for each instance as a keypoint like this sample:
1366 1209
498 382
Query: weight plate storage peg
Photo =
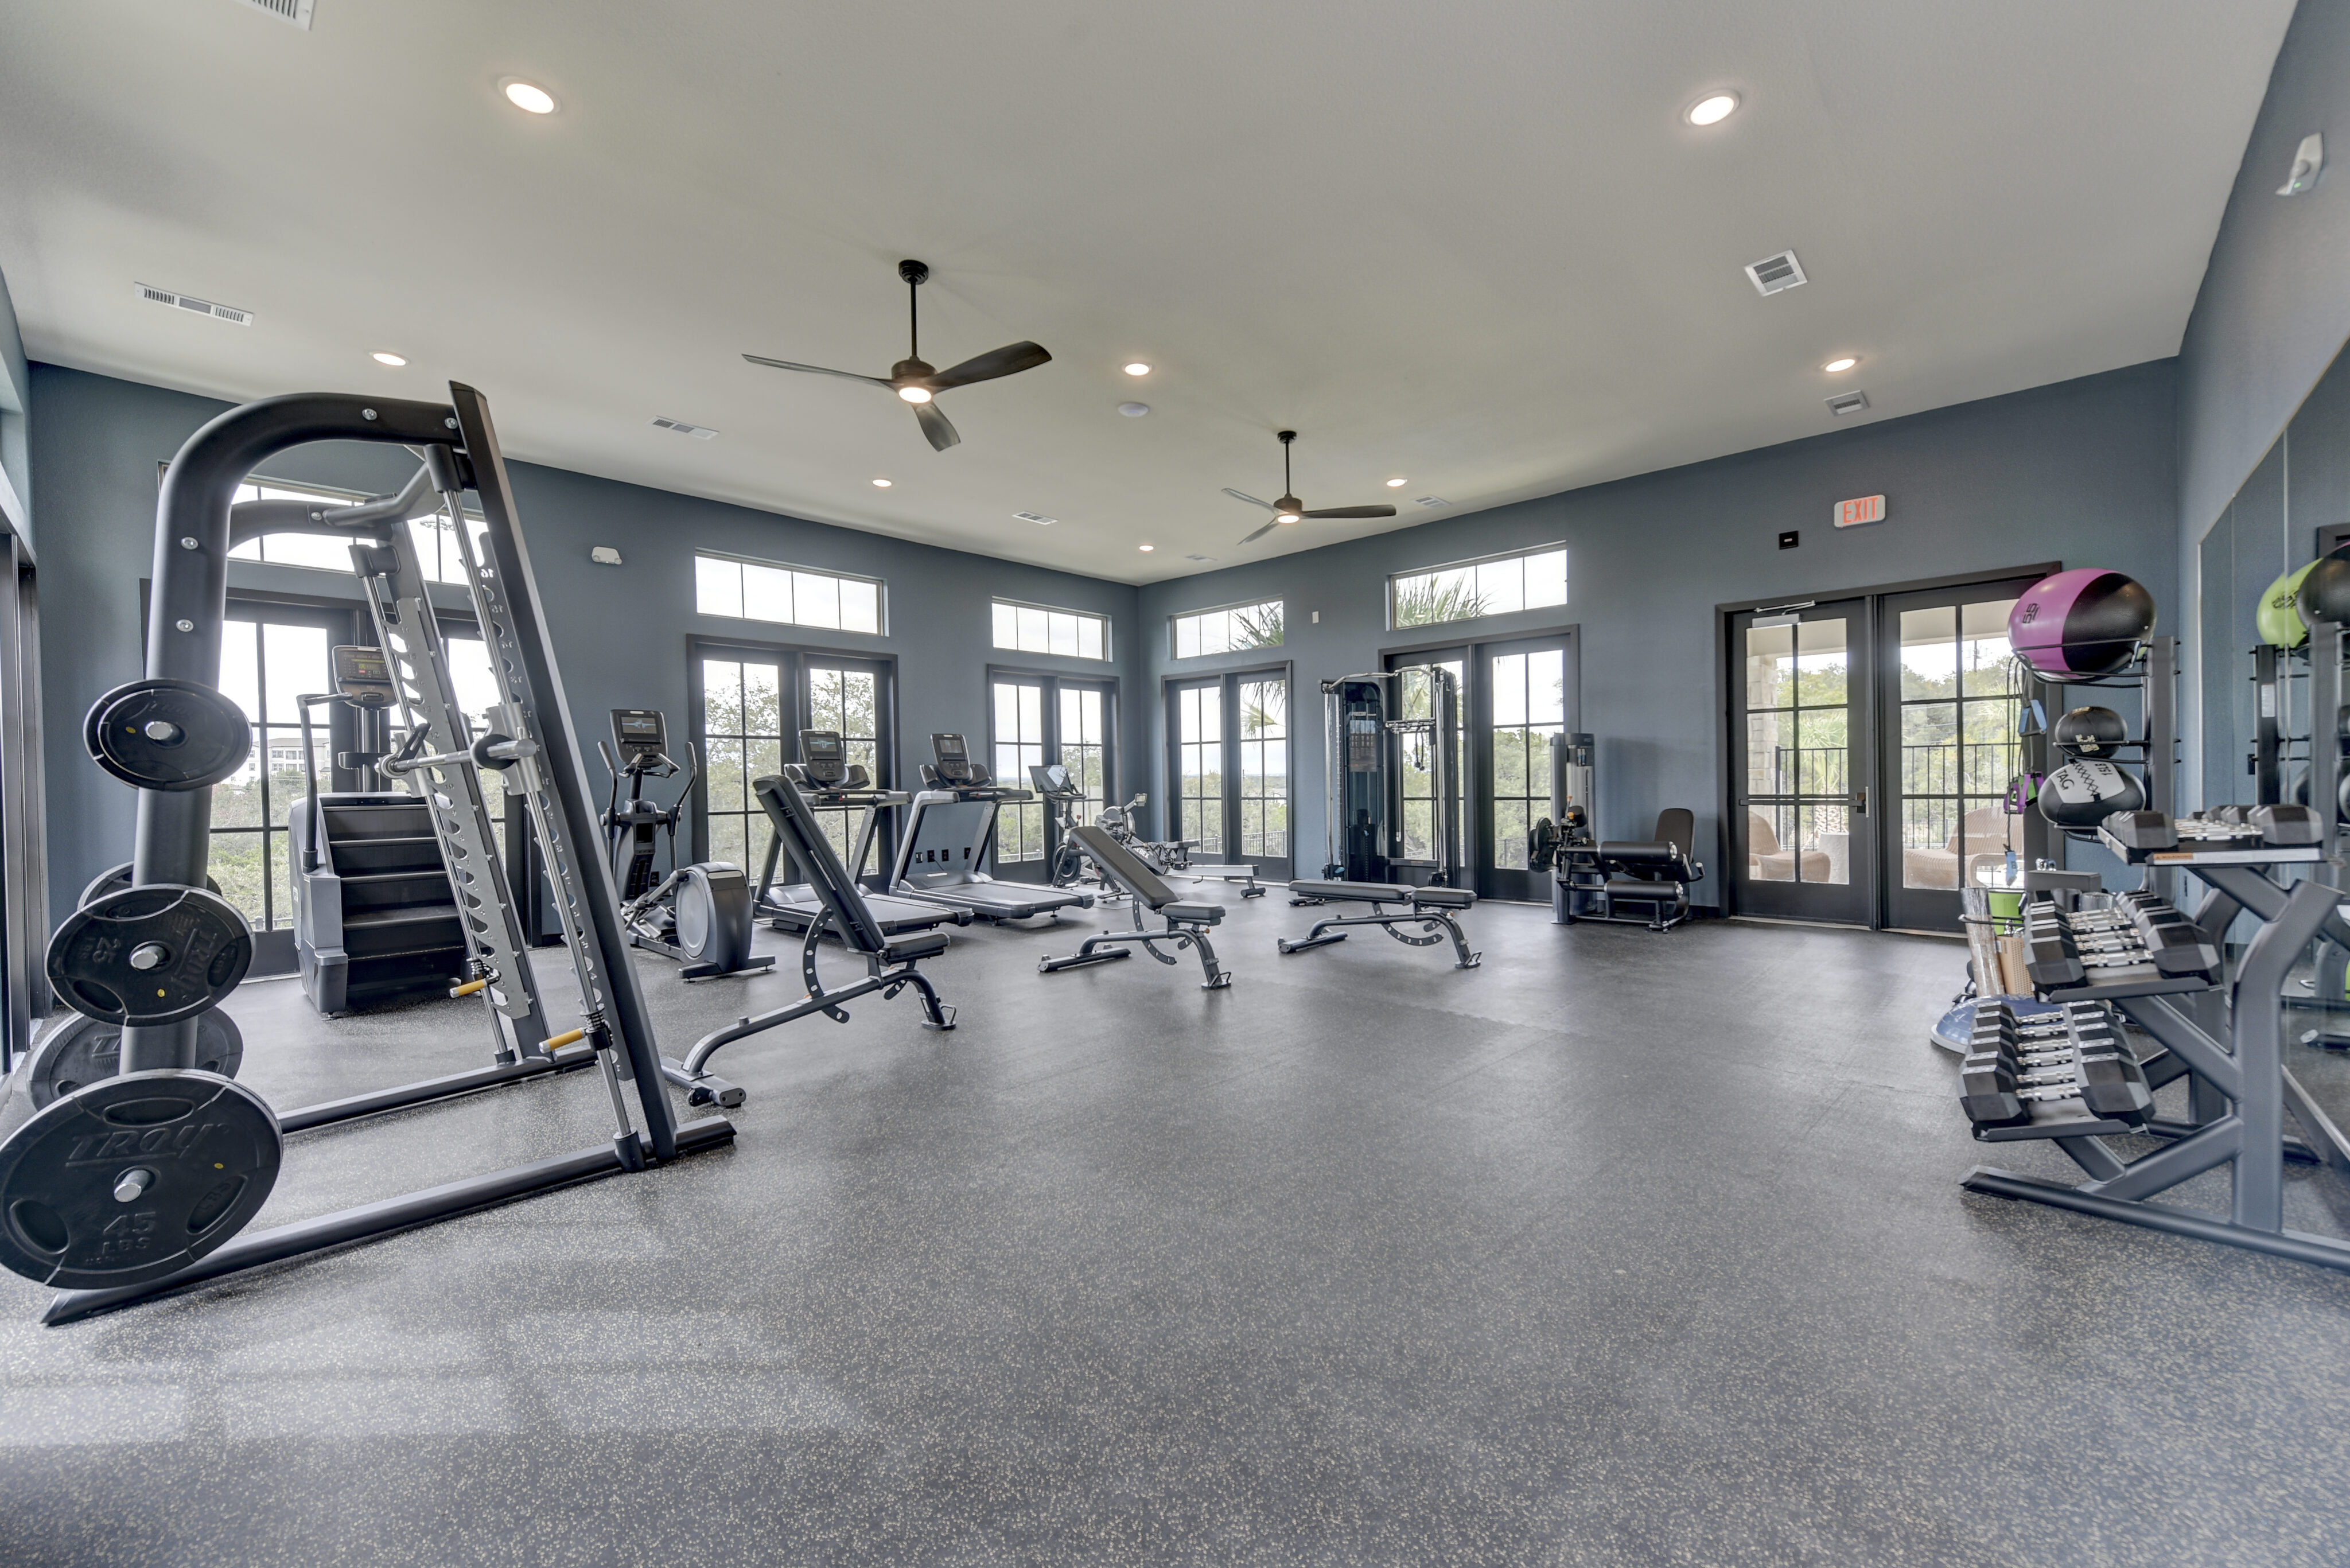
77 1051
149 955
168 734
117 878
131 1179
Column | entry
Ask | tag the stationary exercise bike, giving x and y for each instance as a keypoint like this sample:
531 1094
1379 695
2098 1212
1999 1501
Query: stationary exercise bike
698 914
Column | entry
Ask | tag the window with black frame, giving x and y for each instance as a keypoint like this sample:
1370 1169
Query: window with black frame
1038 719
750 705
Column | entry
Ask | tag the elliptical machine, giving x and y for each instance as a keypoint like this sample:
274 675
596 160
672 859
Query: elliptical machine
698 914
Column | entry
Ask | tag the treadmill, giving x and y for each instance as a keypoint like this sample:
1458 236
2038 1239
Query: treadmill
828 780
948 835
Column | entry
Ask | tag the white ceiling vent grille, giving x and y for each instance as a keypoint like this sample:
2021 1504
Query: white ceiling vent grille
1776 274
294 11
1847 403
1036 518
1430 502
149 292
1199 557
699 432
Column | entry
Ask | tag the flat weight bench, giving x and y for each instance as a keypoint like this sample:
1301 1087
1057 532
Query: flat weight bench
1187 924
1431 908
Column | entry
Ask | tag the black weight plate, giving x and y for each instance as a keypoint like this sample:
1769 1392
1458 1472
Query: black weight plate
115 880
168 734
200 944
210 1149
78 1050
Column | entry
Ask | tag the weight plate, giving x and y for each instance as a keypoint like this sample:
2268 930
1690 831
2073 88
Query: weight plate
149 955
168 734
131 1179
117 879
78 1050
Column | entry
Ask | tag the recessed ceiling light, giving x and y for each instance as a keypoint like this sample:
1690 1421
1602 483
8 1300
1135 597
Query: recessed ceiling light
881 484
1145 549
1397 484
528 96
387 358
1846 363
915 394
1711 110
1134 411
1138 369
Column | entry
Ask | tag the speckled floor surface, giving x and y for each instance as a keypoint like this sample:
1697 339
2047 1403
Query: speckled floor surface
1624 1250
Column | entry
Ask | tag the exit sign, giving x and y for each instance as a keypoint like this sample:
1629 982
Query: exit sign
1866 509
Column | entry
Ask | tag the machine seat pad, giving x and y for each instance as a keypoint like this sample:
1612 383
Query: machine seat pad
1195 914
907 946
1361 892
1643 887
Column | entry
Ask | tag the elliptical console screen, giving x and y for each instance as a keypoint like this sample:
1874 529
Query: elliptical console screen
954 760
362 675
638 732
824 756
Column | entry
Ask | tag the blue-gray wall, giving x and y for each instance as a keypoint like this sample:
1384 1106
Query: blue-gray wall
2273 311
621 633
2082 471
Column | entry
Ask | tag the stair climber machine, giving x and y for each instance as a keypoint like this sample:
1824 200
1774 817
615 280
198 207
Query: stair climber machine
827 781
700 913
375 914
140 1180
948 835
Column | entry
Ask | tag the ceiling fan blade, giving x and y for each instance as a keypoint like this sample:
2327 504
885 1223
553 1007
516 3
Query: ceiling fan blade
1252 500
1260 533
815 369
1351 512
935 426
1008 360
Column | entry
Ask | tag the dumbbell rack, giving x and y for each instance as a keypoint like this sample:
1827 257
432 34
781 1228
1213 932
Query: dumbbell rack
2149 963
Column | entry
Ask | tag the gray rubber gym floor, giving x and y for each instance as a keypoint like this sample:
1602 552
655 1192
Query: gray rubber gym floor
1625 1248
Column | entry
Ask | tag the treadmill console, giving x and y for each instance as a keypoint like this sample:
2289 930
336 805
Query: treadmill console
824 758
362 678
641 734
953 767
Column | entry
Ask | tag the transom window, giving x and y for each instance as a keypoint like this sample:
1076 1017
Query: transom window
436 547
1035 629
1235 627
1497 585
789 595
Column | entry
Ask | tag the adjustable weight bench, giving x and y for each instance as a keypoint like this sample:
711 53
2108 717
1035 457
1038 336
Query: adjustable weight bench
1431 908
1187 924
890 959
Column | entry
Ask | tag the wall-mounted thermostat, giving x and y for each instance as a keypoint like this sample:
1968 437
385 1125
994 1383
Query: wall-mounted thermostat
1865 509
605 555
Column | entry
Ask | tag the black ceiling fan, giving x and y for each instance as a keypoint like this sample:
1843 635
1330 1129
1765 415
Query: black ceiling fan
1289 509
916 382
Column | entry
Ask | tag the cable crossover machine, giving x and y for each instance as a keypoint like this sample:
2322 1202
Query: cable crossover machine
141 1181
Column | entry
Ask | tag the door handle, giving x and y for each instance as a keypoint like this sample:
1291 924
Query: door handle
1860 801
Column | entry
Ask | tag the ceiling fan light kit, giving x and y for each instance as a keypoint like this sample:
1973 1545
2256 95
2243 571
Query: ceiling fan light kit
917 381
1289 509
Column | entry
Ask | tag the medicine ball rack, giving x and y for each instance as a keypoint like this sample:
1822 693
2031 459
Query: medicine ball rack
137 1185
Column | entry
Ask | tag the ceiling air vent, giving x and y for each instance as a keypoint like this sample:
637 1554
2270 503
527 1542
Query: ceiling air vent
1431 501
1037 517
294 11
1847 403
1775 275
148 291
1199 557
699 432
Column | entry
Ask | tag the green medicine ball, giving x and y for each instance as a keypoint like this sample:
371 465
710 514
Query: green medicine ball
2278 619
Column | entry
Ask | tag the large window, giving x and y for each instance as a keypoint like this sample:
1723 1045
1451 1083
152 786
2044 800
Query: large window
752 705
790 596
1529 706
269 656
1228 738
1223 631
1033 719
1499 585
436 547
1035 629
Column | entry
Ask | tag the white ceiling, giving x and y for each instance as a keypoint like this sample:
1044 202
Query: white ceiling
1471 243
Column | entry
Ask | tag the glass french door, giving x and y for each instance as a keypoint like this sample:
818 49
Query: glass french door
1798 829
1954 693
1514 696
749 705
1036 720
1229 739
